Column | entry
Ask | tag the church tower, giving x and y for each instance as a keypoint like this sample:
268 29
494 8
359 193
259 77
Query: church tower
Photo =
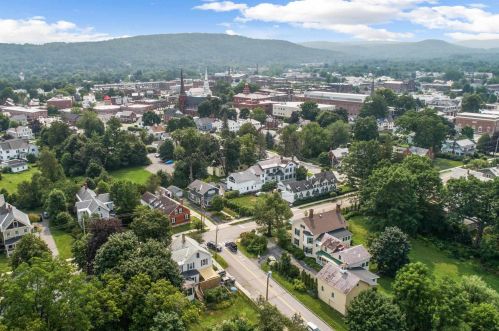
206 85
182 98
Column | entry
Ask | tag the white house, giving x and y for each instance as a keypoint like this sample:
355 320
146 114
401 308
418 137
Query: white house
88 203
273 169
234 126
16 149
285 109
21 132
14 224
15 165
194 263
317 185
459 147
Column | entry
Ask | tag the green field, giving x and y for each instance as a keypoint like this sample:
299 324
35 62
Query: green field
438 261
246 200
138 175
4 263
320 308
63 241
10 181
242 307
442 164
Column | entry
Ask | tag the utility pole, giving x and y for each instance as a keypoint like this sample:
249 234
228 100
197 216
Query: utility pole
216 240
269 274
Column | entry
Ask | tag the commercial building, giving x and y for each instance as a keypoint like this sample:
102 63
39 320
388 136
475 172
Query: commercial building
285 109
480 123
352 103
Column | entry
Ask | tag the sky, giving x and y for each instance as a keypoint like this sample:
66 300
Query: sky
43 21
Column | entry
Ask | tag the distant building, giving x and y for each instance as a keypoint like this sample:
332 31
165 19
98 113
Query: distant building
21 132
30 113
15 165
459 147
285 109
480 123
16 149
60 102
348 101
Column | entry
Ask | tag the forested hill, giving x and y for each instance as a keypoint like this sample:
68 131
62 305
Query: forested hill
166 51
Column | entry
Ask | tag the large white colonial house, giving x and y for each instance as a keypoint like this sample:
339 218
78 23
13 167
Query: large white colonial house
16 149
88 204
317 185
251 180
21 132
14 224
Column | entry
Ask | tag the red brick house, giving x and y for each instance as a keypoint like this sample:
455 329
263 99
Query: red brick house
176 211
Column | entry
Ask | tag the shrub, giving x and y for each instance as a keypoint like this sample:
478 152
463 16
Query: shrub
269 186
216 295
254 243
33 218
231 194
299 286
151 149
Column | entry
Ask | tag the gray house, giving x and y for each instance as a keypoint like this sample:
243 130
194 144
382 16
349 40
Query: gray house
202 193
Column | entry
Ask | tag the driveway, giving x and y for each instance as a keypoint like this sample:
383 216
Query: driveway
46 236
157 164
249 275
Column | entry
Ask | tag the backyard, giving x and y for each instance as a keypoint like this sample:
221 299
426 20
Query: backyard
10 181
63 241
241 307
138 175
443 164
437 260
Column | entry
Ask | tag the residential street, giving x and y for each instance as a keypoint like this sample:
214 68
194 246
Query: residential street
249 275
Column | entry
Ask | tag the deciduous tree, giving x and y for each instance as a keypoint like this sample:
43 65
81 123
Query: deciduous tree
390 250
272 211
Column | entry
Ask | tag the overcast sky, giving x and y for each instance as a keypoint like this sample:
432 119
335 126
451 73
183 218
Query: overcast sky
41 21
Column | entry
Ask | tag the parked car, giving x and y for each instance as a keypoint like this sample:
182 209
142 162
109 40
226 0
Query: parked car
232 246
156 155
222 273
211 245
228 280
312 327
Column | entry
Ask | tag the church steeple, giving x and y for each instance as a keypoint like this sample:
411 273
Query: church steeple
206 85
182 98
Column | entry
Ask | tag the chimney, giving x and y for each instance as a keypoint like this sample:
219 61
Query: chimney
338 208
311 213
183 238
181 202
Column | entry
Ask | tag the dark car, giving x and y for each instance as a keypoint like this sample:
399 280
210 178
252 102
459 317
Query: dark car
211 245
232 246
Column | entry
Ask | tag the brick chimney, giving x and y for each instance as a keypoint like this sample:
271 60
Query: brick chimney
338 208
311 214
183 238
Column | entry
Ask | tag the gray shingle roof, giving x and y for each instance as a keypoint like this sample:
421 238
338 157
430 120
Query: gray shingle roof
352 255
342 280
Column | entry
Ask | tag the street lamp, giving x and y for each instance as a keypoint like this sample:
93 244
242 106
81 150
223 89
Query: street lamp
269 274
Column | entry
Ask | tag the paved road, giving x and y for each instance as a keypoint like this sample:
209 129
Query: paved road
157 164
46 236
248 273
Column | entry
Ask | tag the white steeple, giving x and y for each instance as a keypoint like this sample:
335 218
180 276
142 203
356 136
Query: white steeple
206 86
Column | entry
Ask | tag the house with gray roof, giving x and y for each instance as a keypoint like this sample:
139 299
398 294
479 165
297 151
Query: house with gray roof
201 193
14 224
16 149
317 185
338 286
459 147
89 204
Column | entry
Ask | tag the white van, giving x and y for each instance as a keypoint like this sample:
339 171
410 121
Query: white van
312 327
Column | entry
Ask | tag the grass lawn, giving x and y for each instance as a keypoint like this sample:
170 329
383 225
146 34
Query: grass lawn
138 175
242 307
442 164
320 308
63 241
181 228
246 200
437 260
220 260
4 263
10 181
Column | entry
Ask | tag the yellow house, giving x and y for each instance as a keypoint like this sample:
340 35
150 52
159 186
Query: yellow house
338 286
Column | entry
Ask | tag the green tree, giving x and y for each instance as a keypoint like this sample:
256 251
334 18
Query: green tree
315 139
54 135
270 318
49 166
56 203
244 113
414 295
483 317
430 129
362 159
365 128
339 133
94 169
272 211
234 324
373 311
150 118
217 204
28 247
301 173
125 196
91 124
483 143
390 250
309 110
375 106
450 305
64 219
471 103
477 291
475 200
166 150
4 122
258 114
269 140
290 141
468 132
327 117
151 224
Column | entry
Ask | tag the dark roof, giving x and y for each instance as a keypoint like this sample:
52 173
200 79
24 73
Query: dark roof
161 202
304 185
321 223
200 187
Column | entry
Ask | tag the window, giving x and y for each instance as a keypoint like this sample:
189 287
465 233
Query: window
310 240
297 231
332 294
186 216
297 242
322 288
204 262
173 220
197 255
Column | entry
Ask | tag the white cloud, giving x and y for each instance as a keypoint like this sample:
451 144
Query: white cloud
222 6
37 30
231 32
354 17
